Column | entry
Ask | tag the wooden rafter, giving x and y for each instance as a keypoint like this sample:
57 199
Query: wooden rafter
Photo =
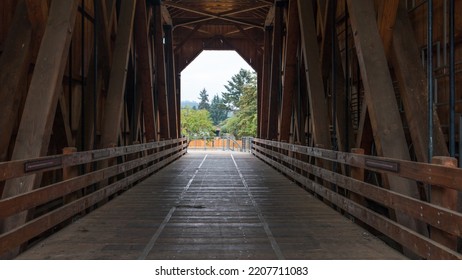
224 16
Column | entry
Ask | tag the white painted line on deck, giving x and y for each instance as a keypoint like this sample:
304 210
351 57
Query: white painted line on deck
164 223
268 232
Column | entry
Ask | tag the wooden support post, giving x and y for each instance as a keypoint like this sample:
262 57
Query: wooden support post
160 86
266 79
69 173
315 85
171 81
302 100
178 96
290 71
358 174
342 123
62 121
446 198
380 98
14 65
412 83
275 82
89 99
115 98
40 106
144 68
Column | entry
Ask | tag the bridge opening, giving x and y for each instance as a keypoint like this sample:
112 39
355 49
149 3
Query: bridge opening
219 101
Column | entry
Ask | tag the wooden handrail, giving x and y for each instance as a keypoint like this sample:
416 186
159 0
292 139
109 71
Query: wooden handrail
35 227
18 168
132 170
16 204
437 216
426 173
281 156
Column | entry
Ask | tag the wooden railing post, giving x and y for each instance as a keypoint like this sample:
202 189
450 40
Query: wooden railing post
446 198
358 174
69 173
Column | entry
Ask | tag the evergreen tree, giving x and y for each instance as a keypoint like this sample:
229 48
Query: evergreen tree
244 121
235 88
218 110
204 100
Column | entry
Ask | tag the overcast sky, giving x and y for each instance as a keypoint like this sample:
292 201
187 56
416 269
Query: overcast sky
210 70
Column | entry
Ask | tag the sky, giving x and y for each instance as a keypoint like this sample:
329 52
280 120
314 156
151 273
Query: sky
210 70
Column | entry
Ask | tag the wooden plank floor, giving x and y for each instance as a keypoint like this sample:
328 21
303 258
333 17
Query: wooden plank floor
213 206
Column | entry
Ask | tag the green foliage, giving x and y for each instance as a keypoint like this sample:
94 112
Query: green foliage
235 88
204 100
244 121
218 110
196 123
240 98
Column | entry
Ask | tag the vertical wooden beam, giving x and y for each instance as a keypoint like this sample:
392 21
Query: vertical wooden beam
326 43
14 65
144 68
412 83
259 98
386 20
264 97
380 98
358 174
290 71
93 80
114 104
69 173
63 120
315 85
275 81
105 11
160 86
178 95
40 106
171 81
329 45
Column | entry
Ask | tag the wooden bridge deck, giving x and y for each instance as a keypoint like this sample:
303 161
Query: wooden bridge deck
213 206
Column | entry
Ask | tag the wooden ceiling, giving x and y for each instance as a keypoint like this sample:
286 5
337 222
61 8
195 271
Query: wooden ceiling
217 20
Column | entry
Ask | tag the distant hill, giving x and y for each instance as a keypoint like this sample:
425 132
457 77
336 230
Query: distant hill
189 103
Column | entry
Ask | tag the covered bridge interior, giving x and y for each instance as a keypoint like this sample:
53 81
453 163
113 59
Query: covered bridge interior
358 104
